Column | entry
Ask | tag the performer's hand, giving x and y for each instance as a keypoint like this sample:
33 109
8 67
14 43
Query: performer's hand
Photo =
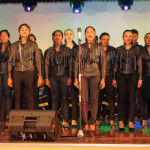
40 80
69 81
139 83
76 83
47 82
114 83
102 84
10 82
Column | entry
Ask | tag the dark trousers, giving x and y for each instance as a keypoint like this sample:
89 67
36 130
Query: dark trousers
109 90
90 91
127 84
26 78
145 97
138 109
59 90
74 99
5 92
36 92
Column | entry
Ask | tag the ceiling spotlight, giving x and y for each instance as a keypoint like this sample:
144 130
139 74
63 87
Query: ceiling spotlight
29 6
76 5
125 4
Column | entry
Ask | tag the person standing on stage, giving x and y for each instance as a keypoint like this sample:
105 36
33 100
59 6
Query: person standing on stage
21 66
128 73
69 36
138 95
58 74
145 54
5 91
93 66
36 89
110 56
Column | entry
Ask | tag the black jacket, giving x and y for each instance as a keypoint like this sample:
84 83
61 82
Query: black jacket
110 57
93 60
145 61
58 63
42 65
128 61
4 58
140 46
73 52
31 55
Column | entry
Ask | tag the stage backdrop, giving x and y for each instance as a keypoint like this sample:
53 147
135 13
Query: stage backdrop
103 16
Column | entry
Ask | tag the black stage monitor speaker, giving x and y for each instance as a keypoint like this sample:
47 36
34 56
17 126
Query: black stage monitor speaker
33 124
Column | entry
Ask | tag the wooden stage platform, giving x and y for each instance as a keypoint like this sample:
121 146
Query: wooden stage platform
103 135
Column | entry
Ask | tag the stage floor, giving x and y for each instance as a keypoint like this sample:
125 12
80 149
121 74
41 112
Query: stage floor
23 146
104 135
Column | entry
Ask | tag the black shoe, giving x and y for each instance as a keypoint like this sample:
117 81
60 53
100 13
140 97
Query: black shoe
131 129
121 129
125 122
74 126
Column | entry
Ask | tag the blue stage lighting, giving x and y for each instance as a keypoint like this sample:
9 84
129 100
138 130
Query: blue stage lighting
77 11
125 4
126 7
76 5
29 6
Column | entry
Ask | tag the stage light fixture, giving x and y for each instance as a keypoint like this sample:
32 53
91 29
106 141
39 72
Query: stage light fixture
29 6
125 4
76 5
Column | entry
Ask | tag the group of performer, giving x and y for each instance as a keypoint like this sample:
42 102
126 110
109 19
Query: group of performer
103 67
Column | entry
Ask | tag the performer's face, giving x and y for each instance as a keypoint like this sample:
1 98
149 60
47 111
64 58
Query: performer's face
135 38
90 35
4 37
69 36
105 40
128 37
24 31
147 40
58 38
